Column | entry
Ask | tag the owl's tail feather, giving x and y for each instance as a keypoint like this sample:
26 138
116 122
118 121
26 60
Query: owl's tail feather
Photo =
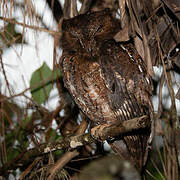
133 148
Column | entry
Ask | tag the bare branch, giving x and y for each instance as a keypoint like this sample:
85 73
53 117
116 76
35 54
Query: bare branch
29 26
61 162
70 8
76 141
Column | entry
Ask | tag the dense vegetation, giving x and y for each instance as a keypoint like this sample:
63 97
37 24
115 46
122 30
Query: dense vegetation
35 138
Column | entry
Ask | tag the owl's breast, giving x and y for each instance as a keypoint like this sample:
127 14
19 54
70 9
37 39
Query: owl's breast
85 82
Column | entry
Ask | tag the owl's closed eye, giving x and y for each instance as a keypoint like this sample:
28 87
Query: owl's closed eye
85 33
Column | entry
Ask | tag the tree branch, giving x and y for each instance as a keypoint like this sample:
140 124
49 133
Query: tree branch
77 141
10 20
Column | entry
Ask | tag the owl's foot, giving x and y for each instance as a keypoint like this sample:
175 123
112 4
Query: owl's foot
100 132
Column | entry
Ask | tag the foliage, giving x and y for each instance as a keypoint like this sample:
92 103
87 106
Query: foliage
9 36
41 83
27 131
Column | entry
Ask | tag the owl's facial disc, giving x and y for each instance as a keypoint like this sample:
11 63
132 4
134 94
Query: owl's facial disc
85 34
92 48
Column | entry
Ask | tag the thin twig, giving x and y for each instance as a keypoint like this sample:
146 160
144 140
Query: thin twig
150 174
4 73
29 26
68 155
85 6
76 141
171 160
157 169
61 162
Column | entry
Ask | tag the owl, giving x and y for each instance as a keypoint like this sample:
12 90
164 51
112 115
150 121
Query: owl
107 80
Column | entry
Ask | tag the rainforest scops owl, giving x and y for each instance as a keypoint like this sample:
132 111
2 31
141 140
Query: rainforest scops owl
107 80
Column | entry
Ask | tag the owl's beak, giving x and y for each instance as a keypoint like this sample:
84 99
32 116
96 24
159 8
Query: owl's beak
91 47
90 50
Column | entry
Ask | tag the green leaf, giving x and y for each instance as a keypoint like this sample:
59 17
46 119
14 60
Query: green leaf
57 74
40 87
12 153
41 83
26 121
9 36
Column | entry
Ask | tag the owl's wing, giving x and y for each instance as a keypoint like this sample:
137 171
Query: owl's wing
129 91
129 86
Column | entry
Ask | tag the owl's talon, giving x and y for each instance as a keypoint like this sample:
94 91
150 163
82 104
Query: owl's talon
98 132
95 132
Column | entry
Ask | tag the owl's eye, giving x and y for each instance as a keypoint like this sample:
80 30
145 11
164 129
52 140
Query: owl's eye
99 29
76 38
73 38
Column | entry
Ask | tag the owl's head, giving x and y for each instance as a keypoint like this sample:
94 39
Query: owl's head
84 34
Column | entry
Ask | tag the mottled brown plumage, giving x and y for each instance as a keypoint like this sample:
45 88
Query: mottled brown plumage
107 80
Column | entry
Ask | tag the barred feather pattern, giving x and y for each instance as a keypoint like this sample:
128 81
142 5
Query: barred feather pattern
107 80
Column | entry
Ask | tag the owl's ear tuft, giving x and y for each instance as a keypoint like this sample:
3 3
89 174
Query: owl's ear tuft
107 10
100 13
